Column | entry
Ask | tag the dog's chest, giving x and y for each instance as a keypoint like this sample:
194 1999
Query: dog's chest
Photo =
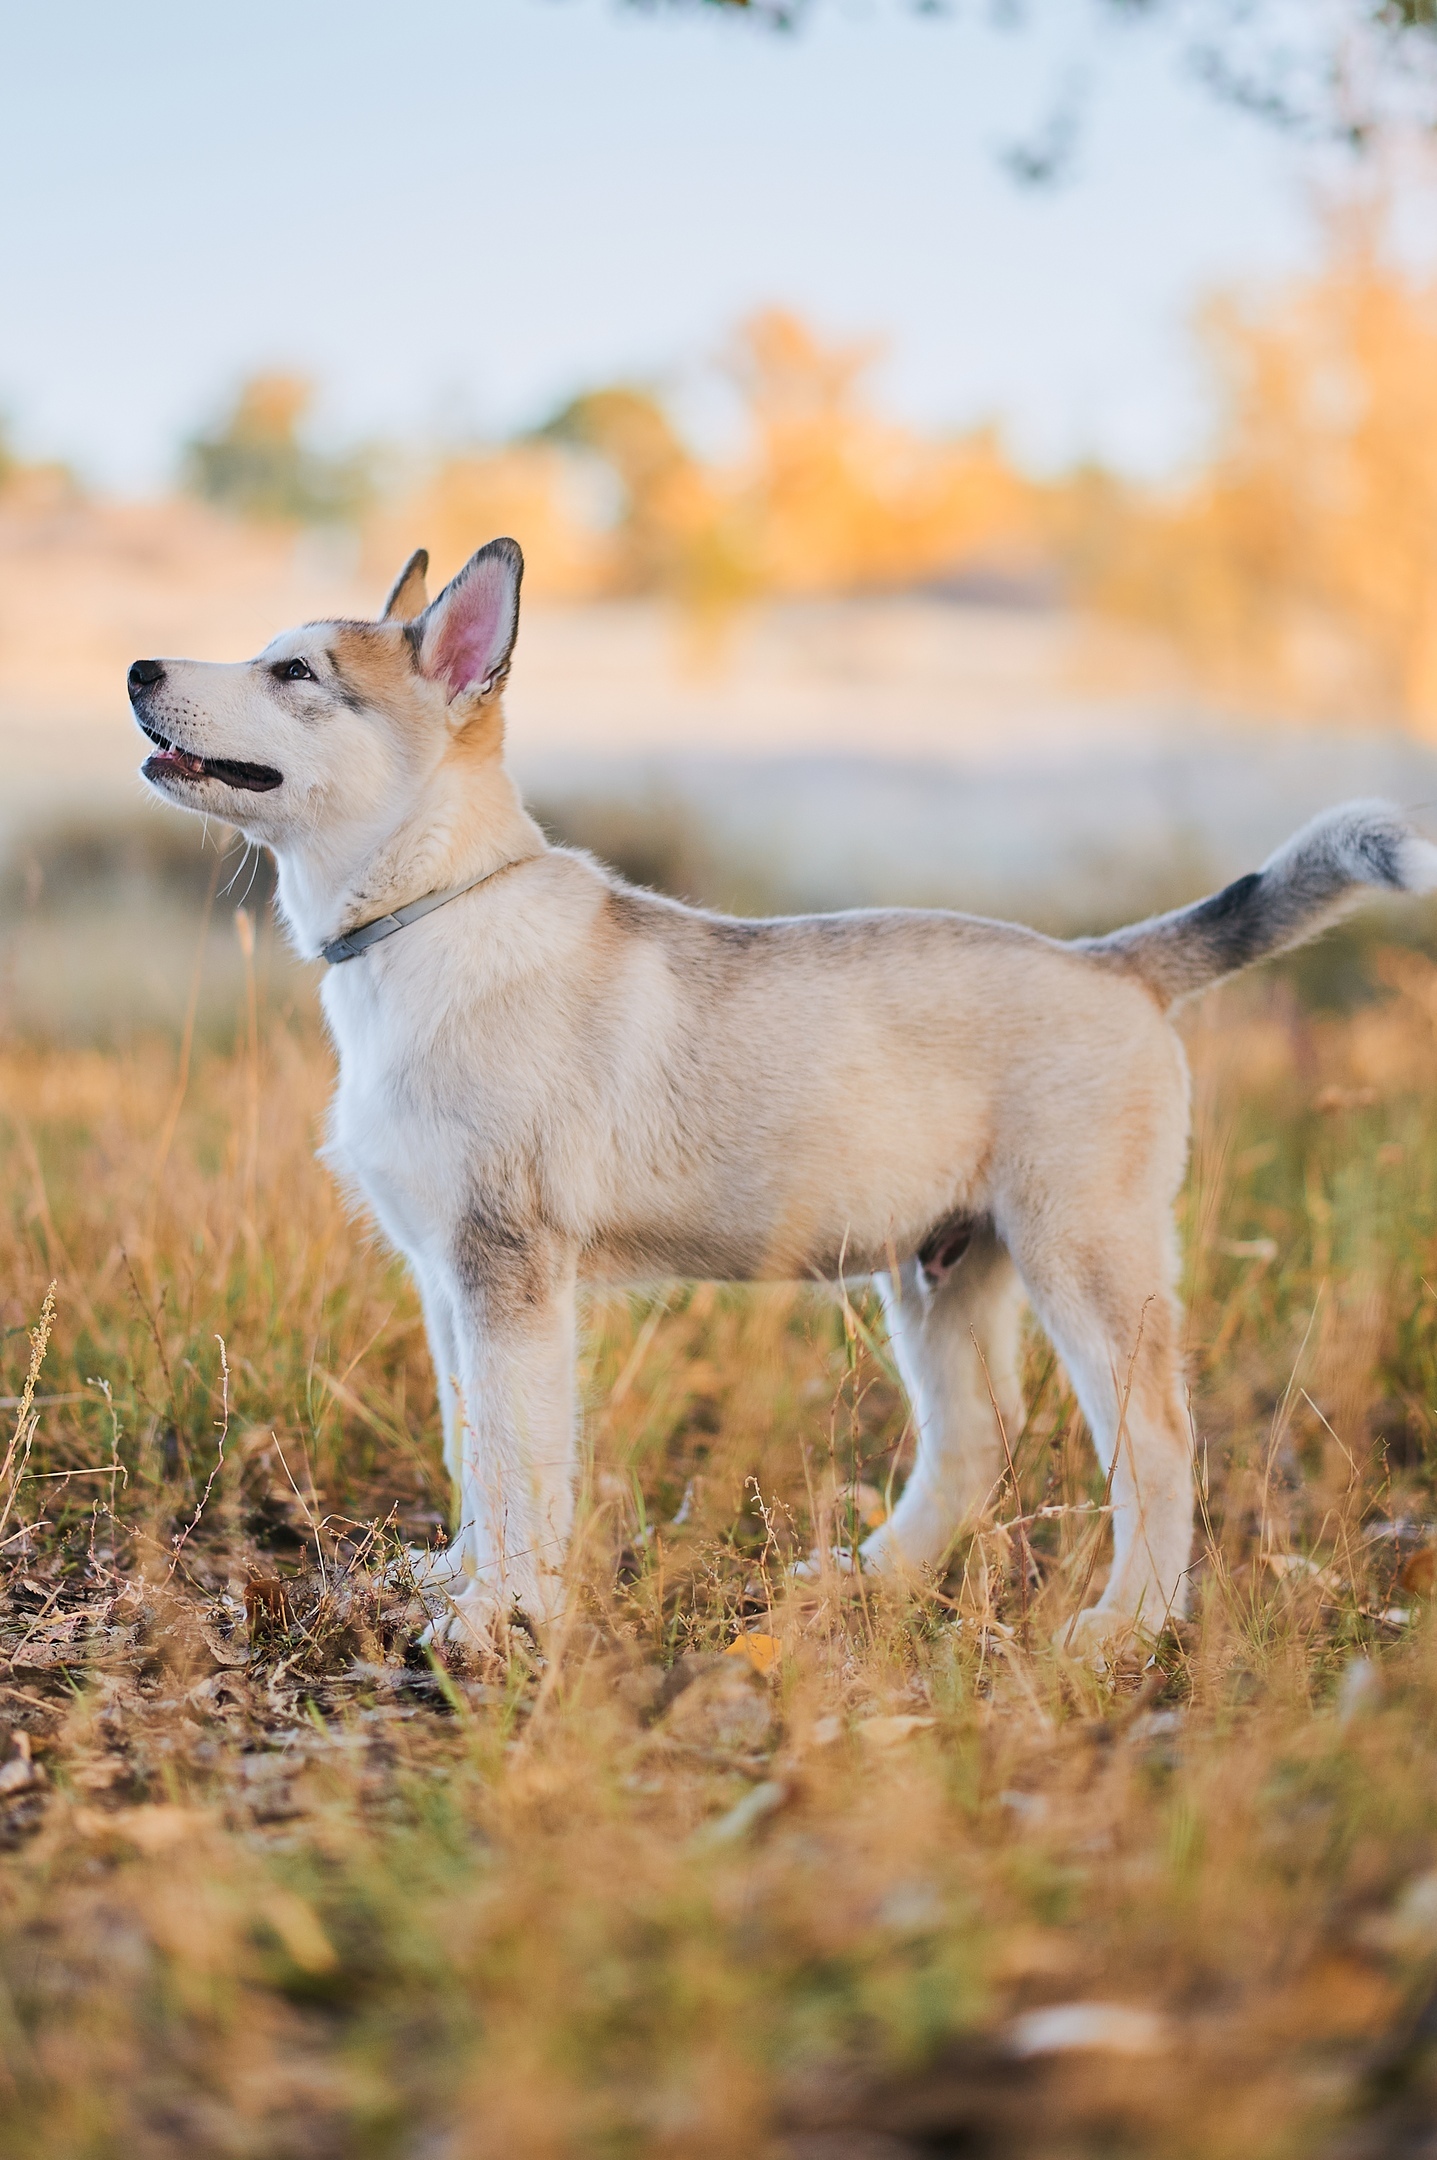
401 1130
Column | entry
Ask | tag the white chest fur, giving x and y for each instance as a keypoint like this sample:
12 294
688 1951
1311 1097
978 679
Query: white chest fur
393 1137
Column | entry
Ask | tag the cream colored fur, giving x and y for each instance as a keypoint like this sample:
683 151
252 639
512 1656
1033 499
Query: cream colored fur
558 1079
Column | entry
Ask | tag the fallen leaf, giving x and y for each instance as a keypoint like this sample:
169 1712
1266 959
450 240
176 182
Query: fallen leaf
264 1603
44 1657
1419 1571
229 1655
762 1652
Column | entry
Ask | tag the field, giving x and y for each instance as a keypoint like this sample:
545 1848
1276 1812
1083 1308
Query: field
735 1866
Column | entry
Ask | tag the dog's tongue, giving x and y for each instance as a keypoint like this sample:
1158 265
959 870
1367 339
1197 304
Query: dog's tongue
180 761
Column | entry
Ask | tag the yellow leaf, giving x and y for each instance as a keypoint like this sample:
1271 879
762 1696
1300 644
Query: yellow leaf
870 1506
762 1652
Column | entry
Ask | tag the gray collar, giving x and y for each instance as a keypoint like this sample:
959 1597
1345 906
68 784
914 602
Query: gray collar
352 943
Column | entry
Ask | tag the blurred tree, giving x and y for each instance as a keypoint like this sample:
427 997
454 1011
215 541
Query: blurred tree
257 463
1346 70
826 496
1301 562
30 487
1296 567
671 532
531 489
834 498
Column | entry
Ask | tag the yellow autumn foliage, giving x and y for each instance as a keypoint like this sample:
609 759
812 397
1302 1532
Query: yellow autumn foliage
834 498
824 496
1295 570
1300 566
528 489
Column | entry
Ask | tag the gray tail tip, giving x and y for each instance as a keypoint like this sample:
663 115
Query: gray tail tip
1372 843
1401 856
1417 862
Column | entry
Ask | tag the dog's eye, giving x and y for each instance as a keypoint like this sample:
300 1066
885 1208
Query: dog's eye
296 671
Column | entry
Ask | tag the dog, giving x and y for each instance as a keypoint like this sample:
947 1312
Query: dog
549 1077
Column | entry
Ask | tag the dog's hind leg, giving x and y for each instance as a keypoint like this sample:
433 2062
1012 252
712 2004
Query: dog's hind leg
1111 1314
955 1327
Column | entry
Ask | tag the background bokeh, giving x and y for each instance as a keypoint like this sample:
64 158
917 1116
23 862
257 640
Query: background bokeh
955 462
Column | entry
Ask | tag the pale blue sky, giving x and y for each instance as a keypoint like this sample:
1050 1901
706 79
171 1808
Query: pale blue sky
456 211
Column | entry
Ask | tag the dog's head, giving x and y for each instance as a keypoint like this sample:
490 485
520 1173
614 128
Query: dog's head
337 724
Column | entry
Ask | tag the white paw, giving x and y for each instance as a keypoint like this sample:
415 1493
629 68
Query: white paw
483 1617
433 1567
884 1552
473 1619
838 1560
1096 1637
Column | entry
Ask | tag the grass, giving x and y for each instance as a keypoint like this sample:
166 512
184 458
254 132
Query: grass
274 1882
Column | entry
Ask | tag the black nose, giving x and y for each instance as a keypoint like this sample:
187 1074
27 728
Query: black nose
144 673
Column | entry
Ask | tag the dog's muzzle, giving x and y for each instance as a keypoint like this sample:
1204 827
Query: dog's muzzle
171 762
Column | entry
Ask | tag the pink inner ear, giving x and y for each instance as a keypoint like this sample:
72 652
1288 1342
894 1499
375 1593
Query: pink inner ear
474 629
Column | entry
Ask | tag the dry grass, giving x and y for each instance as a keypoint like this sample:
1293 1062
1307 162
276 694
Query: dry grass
274 1884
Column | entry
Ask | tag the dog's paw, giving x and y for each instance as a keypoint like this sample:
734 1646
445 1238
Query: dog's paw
838 1560
487 1621
431 1567
1098 1638
473 1619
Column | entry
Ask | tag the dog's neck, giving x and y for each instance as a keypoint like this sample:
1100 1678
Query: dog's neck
453 834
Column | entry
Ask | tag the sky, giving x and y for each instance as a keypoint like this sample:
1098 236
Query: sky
453 213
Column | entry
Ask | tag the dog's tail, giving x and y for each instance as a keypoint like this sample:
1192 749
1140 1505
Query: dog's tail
1307 884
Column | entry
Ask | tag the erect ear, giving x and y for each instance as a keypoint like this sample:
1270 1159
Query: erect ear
408 597
467 634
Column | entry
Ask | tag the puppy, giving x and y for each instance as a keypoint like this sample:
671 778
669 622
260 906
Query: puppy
547 1077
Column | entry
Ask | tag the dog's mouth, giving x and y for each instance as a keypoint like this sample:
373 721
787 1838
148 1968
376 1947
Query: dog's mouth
170 762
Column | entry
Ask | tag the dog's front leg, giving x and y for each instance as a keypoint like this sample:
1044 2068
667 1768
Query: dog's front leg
513 1302
443 1565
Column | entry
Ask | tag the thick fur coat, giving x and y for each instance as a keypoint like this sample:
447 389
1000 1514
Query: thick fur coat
555 1078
